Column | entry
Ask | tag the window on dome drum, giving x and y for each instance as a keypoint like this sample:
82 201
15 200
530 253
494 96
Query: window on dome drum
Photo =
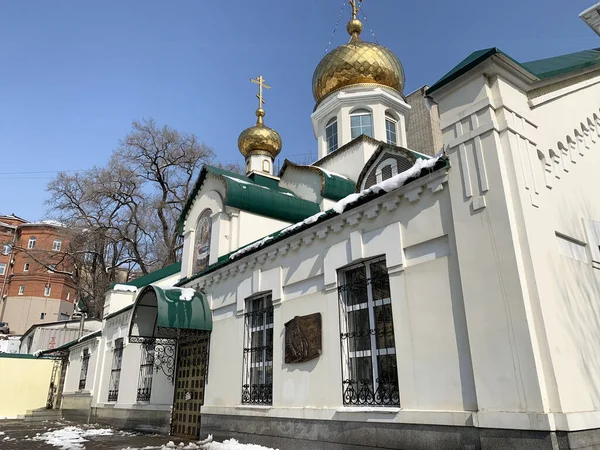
331 135
146 371
370 373
31 243
266 166
84 369
115 372
47 290
361 122
390 129
56 245
202 243
21 290
257 383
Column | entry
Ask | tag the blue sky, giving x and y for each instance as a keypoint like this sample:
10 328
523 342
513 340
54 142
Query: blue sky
73 74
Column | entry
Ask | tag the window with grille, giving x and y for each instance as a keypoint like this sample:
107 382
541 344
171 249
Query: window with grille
115 372
257 383
84 368
367 336
331 135
146 371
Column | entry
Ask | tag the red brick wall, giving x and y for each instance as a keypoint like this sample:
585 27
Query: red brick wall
37 276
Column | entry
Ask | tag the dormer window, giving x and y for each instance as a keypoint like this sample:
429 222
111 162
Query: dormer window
386 170
361 122
202 244
391 125
331 134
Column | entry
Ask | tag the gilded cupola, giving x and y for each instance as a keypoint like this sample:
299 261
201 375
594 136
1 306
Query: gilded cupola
259 144
357 63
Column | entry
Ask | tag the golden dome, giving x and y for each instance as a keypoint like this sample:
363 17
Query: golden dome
259 139
357 62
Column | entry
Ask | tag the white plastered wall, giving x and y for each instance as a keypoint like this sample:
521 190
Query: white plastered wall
521 181
301 274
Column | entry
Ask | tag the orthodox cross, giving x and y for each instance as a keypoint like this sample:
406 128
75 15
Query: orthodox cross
261 84
355 7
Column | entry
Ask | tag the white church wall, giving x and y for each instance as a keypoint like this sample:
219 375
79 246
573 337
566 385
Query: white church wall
253 227
563 168
494 279
72 377
305 184
349 161
432 350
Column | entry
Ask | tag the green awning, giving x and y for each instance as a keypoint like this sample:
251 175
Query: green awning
183 308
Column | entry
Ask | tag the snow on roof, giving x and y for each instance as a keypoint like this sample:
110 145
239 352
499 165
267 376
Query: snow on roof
388 185
124 288
52 223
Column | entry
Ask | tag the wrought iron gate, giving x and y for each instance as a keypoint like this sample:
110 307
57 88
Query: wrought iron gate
190 376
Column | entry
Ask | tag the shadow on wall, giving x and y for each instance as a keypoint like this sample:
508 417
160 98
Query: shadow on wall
578 309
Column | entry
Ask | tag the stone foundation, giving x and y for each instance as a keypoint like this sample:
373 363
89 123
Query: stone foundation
146 420
304 434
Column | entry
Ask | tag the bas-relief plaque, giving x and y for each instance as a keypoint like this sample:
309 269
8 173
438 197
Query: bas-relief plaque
303 338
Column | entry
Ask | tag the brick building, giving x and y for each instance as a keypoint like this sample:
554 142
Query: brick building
423 131
36 287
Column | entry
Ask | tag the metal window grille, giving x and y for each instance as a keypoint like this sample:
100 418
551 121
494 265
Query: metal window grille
84 368
146 372
367 337
115 373
257 384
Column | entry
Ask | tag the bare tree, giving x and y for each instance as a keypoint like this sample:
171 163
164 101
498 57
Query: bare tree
130 208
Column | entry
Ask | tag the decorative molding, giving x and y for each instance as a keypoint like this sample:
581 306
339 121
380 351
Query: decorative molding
433 182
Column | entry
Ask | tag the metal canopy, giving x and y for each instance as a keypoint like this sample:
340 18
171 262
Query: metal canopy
159 312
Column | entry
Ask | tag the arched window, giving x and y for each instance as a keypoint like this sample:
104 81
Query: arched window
331 134
32 241
391 125
386 170
361 122
266 166
202 244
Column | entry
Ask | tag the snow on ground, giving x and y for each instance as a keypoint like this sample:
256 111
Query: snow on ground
71 438
207 444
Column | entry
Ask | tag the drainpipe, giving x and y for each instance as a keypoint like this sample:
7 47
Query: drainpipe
10 258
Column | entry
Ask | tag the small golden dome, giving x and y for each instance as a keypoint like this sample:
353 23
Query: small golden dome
259 139
357 62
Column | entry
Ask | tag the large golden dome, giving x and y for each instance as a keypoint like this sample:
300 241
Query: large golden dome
259 139
355 63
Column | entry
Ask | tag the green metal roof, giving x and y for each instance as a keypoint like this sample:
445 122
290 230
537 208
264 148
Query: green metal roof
333 186
292 230
259 195
176 310
155 276
559 65
542 69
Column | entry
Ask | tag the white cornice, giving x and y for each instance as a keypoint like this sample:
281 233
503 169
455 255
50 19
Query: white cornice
369 211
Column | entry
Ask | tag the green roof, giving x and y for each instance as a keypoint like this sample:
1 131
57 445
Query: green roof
559 65
257 194
542 69
333 186
155 276
297 228
175 310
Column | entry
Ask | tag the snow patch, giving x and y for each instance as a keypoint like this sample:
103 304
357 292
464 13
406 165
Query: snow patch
71 438
388 185
207 444
187 294
331 174
124 288
38 353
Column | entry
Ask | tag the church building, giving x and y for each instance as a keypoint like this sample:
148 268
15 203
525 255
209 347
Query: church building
383 297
